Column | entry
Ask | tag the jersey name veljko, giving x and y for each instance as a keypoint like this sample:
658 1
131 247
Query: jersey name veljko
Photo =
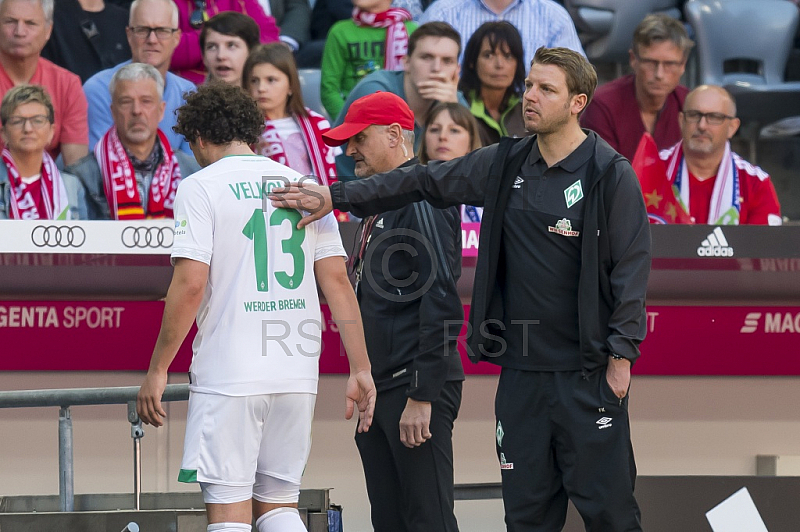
254 189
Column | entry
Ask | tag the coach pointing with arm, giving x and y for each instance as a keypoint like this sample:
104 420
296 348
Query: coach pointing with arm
559 294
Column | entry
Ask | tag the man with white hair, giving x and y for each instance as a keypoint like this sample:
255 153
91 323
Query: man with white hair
133 172
25 29
153 35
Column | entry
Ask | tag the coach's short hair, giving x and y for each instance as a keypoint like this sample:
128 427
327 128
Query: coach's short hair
219 113
581 75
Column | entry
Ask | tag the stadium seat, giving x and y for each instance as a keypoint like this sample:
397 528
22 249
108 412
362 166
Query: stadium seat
309 81
606 26
744 46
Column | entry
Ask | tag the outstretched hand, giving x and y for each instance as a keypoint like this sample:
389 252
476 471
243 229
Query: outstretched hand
305 196
361 393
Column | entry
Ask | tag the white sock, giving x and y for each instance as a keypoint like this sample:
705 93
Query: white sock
229 527
283 519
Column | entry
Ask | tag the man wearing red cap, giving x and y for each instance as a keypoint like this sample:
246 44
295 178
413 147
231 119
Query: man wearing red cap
406 269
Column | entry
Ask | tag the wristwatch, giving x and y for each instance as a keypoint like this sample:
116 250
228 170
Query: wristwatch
617 357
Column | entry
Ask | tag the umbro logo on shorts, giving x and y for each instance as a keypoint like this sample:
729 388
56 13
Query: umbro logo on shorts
603 422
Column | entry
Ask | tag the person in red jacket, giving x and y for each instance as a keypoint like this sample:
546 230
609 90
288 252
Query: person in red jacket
713 184
187 61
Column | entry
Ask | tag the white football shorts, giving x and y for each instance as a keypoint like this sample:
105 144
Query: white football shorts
229 438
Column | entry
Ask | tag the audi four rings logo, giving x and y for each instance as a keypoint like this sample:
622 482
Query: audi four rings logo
58 236
147 237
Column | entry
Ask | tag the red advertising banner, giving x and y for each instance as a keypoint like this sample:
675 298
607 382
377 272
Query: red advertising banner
470 234
119 336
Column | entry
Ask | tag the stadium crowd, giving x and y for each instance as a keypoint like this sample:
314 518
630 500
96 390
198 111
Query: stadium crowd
474 53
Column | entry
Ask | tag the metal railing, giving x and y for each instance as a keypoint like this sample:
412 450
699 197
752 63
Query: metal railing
64 399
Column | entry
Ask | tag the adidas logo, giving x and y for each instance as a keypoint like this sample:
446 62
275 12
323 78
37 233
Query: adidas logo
518 182
379 224
604 422
715 245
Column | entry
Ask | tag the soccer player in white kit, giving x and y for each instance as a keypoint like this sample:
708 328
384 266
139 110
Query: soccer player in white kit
249 276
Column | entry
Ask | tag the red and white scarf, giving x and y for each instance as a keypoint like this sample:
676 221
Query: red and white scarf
53 192
322 156
396 34
725 201
119 180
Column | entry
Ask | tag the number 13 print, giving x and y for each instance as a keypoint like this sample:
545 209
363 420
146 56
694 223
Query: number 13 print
256 230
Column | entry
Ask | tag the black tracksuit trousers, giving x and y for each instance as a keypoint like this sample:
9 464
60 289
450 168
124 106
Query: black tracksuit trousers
410 490
561 435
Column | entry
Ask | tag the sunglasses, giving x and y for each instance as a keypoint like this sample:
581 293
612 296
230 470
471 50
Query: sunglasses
199 15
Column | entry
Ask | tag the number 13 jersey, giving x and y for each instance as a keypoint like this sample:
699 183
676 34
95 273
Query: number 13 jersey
259 324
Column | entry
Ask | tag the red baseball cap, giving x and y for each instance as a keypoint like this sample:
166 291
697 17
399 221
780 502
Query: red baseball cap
378 109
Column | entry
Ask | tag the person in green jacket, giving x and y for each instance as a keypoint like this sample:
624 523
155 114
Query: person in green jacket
375 38
493 79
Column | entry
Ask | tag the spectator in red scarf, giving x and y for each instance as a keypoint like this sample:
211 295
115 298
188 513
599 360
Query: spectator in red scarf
188 59
31 187
375 38
292 132
133 172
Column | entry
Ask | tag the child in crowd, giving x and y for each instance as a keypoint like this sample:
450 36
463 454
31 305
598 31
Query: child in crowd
189 60
375 38
292 133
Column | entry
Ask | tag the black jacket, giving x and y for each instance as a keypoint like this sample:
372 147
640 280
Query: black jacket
615 257
409 303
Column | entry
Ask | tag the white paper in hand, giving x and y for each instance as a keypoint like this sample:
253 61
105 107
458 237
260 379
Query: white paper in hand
737 513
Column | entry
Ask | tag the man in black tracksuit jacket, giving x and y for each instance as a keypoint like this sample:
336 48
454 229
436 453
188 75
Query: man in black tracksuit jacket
558 300
407 264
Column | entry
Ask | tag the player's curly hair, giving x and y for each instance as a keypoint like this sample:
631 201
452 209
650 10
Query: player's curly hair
219 113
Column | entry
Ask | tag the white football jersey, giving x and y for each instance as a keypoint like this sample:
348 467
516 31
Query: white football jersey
259 328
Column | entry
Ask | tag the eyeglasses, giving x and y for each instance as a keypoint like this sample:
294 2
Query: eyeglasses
143 32
37 121
199 15
713 119
652 65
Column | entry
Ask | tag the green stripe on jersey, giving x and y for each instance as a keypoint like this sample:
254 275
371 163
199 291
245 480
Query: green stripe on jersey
187 475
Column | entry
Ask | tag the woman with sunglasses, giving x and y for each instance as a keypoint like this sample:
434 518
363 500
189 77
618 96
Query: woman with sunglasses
493 80
292 133
188 59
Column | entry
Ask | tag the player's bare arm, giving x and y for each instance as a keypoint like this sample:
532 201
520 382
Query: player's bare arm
332 278
304 196
183 299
